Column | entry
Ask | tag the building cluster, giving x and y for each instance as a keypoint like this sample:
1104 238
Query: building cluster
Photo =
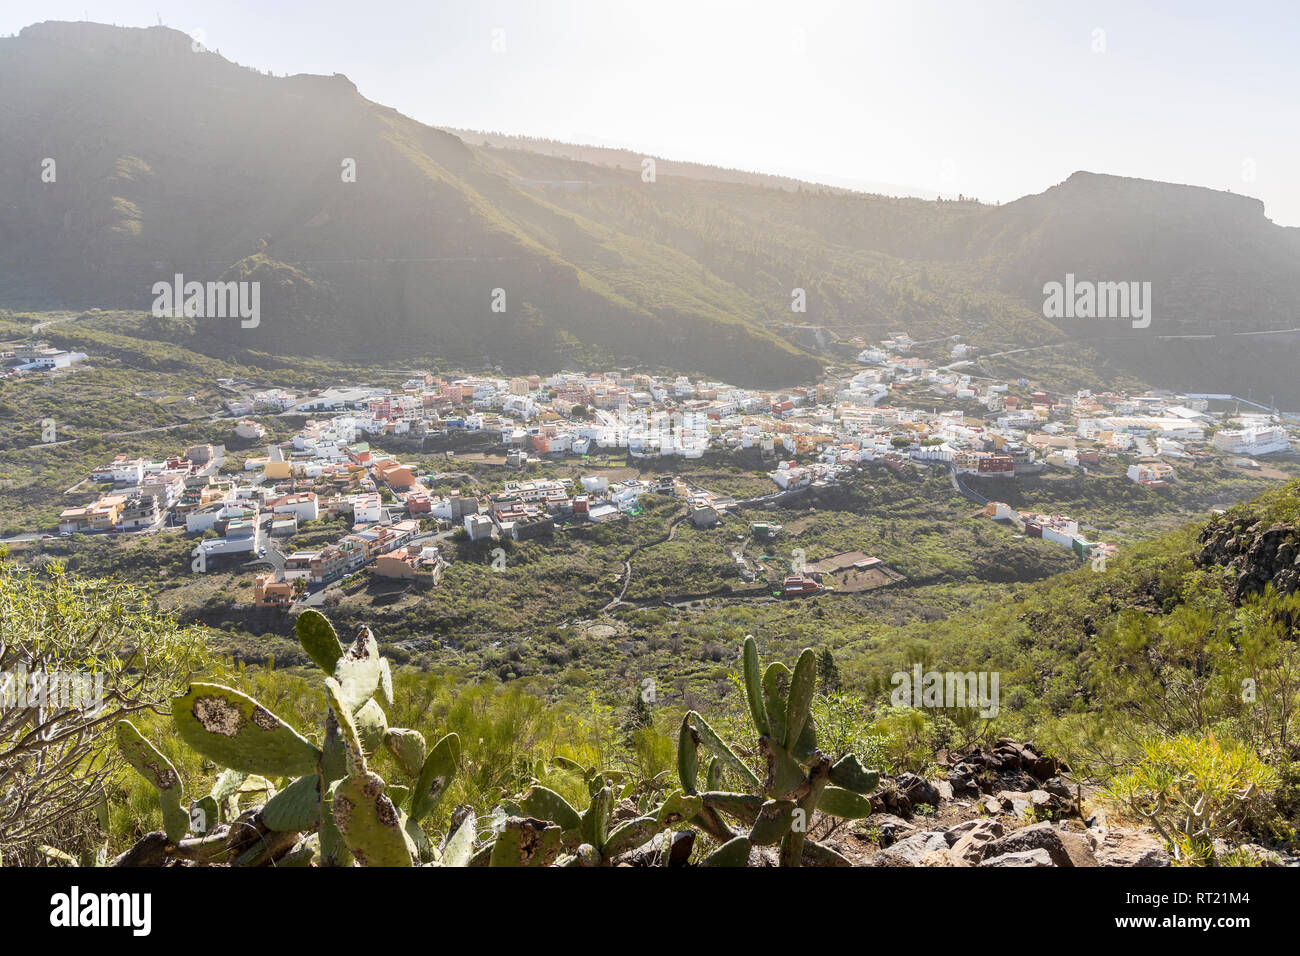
36 357
1001 429
144 492
898 410
1059 529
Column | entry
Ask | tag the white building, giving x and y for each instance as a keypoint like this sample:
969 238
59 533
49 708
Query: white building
1254 440
478 527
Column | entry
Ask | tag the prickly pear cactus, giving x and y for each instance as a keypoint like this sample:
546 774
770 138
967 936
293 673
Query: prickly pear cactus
234 730
799 778
334 805
408 748
366 818
316 635
150 763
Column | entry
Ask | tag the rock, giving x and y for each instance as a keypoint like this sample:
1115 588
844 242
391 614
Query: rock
1008 757
1013 801
968 840
762 856
1044 768
909 852
1035 857
963 779
1039 836
626 810
650 853
891 828
944 789
1123 847
1057 787
917 789
1040 799
1077 848
991 805
943 858
892 801
1015 780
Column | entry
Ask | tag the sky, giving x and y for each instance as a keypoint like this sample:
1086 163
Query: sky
988 99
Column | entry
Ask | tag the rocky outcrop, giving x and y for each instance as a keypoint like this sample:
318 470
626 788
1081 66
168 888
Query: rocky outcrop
1004 805
1259 555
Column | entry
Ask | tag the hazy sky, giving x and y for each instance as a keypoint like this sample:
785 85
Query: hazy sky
991 99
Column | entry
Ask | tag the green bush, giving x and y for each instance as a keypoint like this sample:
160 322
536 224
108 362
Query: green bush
1194 790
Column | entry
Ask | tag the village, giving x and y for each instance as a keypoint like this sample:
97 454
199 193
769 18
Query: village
887 412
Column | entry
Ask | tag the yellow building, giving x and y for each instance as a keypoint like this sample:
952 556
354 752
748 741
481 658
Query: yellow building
277 469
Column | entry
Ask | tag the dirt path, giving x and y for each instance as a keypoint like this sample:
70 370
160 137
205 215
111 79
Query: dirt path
627 562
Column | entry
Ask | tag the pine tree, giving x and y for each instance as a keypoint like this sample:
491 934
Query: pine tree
828 672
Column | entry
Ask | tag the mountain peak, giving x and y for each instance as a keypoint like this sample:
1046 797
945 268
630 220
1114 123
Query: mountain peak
1084 182
98 37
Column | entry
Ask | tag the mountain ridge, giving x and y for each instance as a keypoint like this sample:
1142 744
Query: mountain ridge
176 161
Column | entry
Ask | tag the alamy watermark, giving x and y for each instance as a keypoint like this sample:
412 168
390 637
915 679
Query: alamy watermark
1085 299
949 689
52 690
77 909
209 300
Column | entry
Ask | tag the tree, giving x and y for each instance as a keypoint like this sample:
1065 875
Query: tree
75 658
828 672
639 713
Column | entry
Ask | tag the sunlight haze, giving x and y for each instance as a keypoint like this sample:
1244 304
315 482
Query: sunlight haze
920 98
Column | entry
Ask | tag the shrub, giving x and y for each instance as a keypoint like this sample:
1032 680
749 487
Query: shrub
1194 790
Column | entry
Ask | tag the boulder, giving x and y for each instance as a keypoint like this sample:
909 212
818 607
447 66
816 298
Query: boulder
1036 857
1013 801
943 858
1039 836
968 840
891 828
917 790
1077 848
1124 847
911 851
1041 800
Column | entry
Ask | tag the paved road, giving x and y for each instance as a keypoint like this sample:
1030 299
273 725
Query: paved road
961 489
139 431
41 326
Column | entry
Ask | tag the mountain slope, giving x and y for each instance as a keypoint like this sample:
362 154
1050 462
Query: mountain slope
175 161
